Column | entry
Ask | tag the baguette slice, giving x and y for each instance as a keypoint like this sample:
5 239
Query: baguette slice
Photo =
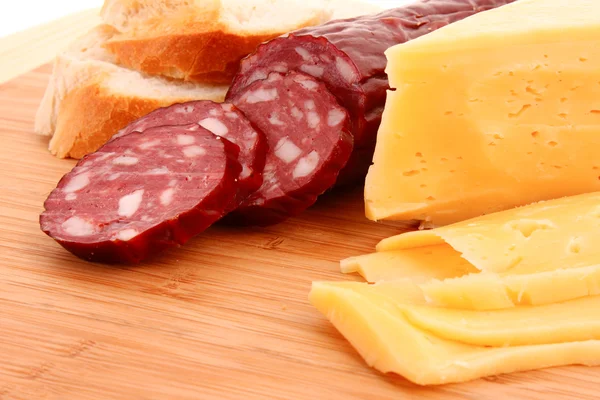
89 98
204 40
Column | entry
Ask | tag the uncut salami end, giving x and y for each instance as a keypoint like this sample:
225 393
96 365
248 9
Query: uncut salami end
309 140
142 193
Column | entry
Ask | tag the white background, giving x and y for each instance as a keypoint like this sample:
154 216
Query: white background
17 15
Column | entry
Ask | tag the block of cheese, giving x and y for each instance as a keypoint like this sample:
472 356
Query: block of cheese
498 110
537 254
380 331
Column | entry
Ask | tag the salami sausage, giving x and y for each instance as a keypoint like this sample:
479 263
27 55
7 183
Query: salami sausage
348 56
142 193
309 140
222 119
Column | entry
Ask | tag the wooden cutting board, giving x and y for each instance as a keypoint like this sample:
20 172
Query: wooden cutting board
226 317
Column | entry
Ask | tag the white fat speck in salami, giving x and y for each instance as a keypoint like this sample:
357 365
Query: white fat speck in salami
185 140
215 126
114 176
149 144
159 171
130 203
296 113
125 160
78 182
262 95
193 151
78 227
306 165
127 234
280 67
313 119
345 69
308 84
245 172
274 120
335 117
305 54
166 197
258 75
103 156
306 154
128 216
313 70
286 150
222 119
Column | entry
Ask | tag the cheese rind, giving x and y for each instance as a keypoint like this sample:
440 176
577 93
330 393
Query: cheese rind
499 110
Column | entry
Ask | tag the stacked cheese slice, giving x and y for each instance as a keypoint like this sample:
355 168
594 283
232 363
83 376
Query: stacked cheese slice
511 291
496 111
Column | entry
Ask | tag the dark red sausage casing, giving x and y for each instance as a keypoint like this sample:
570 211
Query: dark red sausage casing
309 140
142 193
222 119
348 56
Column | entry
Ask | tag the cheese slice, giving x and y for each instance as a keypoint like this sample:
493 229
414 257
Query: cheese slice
384 337
489 291
539 254
420 264
525 325
498 110
545 236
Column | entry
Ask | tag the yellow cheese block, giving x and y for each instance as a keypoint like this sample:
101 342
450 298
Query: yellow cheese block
498 110
383 336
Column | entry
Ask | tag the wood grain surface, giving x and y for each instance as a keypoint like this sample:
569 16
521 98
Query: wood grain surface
226 317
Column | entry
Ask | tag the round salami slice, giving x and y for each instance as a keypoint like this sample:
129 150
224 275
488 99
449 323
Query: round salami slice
309 140
222 119
348 56
142 193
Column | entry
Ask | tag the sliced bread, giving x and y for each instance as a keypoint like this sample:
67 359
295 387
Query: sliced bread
89 98
204 40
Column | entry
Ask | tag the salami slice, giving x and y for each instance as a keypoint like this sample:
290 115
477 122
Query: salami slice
309 141
348 56
222 119
142 193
